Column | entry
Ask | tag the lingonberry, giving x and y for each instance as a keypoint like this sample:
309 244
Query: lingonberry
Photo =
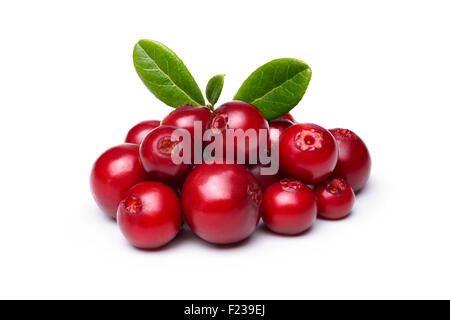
289 207
308 152
139 131
264 180
184 116
335 198
354 160
288 116
149 216
113 173
239 115
221 202
156 155
276 128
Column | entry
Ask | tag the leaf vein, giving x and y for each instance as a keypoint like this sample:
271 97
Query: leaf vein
277 87
170 79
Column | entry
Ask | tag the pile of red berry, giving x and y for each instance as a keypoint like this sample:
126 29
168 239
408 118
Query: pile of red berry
139 184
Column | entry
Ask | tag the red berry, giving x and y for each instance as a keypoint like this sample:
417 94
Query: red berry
184 116
289 207
139 131
238 115
150 215
156 156
276 128
354 161
114 172
288 116
263 180
221 202
308 152
335 198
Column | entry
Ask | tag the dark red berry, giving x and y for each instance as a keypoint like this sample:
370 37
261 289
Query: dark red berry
264 180
288 116
354 160
221 202
289 207
150 215
335 198
239 115
114 172
184 116
156 155
139 131
276 128
308 152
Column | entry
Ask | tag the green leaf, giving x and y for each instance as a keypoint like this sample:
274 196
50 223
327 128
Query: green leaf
276 87
214 88
165 75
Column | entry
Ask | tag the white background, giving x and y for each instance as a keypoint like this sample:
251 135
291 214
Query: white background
68 91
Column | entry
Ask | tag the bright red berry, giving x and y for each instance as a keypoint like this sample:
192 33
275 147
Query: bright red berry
150 215
184 116
288 116
139 131
264 180
335 198
276 128
156 155
289 207
239 115
354 160
114 172
308 152
221 202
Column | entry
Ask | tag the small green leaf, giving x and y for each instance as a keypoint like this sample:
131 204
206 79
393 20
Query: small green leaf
214 88
276 87
165 75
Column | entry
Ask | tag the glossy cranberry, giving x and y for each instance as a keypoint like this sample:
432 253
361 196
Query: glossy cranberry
276 128
264 180
308 152
335 198
114 172
156 155
354 160
288 116
185 115
221 202
239 115
289 207
150 215
139 131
